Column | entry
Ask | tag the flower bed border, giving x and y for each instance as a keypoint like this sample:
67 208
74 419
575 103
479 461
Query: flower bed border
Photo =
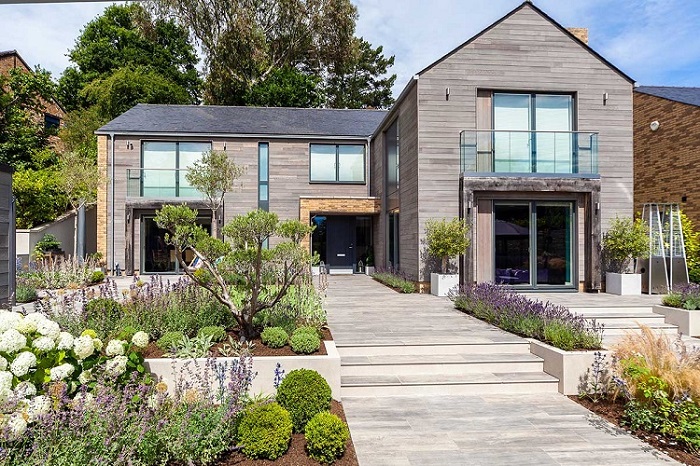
688 322
327 365
570 367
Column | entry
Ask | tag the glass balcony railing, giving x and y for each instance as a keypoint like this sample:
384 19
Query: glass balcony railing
512 152
159 183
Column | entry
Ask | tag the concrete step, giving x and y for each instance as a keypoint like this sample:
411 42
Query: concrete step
440 364
620 320
612 310
392 349
620 329
470 384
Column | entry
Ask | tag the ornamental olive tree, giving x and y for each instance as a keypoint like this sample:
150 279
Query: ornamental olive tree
626 239
214 176
241 273
446 239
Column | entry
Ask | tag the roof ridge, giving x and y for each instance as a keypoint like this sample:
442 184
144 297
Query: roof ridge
263 107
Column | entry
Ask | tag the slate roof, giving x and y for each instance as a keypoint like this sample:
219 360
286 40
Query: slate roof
685 95
268 121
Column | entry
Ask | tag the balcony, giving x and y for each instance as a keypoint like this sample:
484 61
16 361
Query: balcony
572 153
159 184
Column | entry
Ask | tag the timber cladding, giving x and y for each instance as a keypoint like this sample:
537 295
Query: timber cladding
666 161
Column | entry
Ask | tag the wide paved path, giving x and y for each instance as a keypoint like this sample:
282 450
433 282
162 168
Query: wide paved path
541 429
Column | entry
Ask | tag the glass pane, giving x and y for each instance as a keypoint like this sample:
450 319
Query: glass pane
190 152
512 244
391 142
351 163
157 256
554 244
511 114
262 192
554 150
322 162
263 152
159 163
318 237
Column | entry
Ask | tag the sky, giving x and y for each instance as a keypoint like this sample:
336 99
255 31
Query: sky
656 42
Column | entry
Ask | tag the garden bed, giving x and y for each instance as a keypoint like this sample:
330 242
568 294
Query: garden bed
259 349
687 321
613 411
296 455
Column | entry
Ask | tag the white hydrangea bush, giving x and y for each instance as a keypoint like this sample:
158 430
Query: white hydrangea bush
35 355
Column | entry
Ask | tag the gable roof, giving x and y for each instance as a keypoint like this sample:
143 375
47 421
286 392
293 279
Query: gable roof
244 121
529 4
684 95
15 53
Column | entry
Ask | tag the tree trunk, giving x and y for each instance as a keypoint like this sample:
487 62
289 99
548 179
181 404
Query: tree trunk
214 224
443 265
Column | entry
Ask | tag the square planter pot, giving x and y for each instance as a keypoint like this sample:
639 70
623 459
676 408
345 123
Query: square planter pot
369 270
315 270
688 322
441 284
571 367
623 283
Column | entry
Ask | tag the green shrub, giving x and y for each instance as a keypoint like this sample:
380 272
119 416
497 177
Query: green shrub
265 431
446 239
25 294
305 343
274 337
127 333
170 340
626 239
304 393
307 329
326 436
97 276
47 242
395 281
103 315
216 332
673 299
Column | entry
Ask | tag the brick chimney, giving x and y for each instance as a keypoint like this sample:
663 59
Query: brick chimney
580 33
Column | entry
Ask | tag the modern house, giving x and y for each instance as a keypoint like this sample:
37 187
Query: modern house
666 158
523 130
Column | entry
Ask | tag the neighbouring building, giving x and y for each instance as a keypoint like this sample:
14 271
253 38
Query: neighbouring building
53 114
666 154
523 130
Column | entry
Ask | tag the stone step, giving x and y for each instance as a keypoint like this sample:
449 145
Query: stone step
439 364
427 384
392 349
611 330
612 309
626 320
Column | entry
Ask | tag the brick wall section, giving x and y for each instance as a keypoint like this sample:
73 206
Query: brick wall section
8 62
666 161
102 215
336 206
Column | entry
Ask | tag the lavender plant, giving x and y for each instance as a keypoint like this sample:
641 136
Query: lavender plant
685 297
516 313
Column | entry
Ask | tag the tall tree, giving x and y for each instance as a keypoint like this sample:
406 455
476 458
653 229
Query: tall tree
247 42
362 81
126 36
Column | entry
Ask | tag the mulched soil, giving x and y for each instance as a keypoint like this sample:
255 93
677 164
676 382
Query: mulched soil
613 411
296 455
152 351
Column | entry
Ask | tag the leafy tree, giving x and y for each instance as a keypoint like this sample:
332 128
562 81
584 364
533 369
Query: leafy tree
446 239
78 134
22 130
362 81
241 274
78 179
126 87
214 176
245 43
691 238
286 87
127 36
39 198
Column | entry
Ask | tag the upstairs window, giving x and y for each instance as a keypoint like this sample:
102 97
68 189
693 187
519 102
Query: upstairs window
337 163
164 165
51 122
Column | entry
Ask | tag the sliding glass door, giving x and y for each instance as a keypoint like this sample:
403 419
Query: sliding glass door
534 244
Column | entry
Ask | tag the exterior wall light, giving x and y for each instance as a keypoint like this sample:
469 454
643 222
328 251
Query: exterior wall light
654 125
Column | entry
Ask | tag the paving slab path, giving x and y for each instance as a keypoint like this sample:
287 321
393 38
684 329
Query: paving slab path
392 425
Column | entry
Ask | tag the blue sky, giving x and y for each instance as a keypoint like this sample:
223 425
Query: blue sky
656 42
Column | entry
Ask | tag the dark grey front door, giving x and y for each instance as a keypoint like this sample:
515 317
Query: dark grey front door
340 236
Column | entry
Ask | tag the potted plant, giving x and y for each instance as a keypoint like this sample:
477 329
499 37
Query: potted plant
445 240
316 264
369 262
626 239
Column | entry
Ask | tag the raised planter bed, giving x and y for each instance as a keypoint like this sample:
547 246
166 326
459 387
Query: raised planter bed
327 365
688 322
570 367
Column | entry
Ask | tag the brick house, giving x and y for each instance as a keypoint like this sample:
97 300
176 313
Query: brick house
52 114
666 154
523 130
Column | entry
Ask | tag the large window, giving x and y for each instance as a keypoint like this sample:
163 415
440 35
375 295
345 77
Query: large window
164 165
391 143
263 176
337 163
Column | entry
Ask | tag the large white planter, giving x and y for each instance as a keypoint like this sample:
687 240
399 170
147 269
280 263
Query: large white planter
571 367
441 284
315 270
623 283
171 370
688 322
369 270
